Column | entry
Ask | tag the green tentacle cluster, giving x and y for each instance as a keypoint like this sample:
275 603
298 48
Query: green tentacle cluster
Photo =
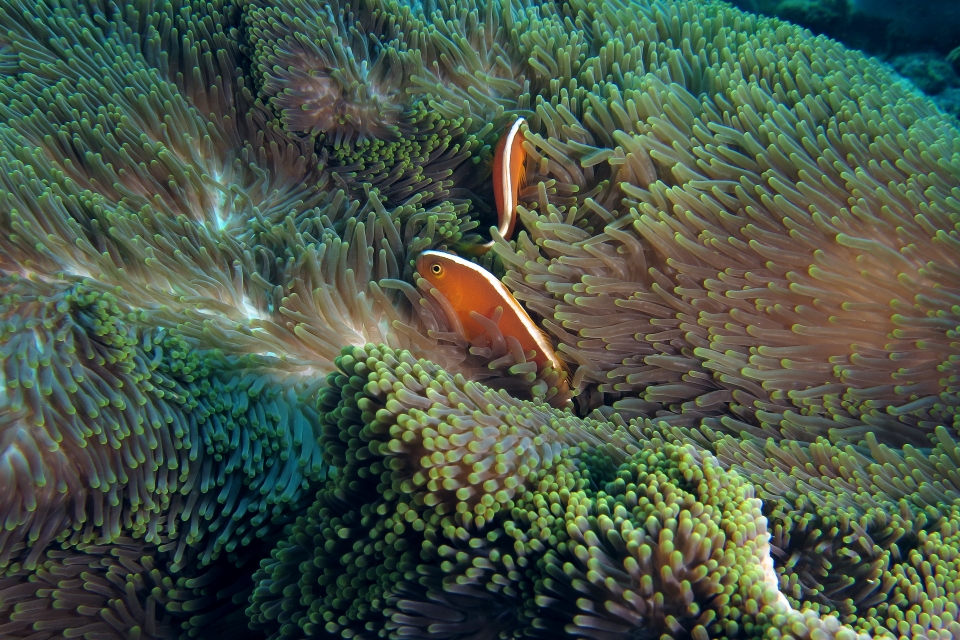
330 68
459 508
430 163
195 463
455 507
868 535
352 78
734 222
126 588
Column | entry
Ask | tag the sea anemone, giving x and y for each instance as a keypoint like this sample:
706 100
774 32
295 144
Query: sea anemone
457 508
127 588
115 429
870 536
773 249
327 70
740 237
394 98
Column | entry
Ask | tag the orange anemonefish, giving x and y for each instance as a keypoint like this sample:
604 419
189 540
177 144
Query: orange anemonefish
469 287
508 171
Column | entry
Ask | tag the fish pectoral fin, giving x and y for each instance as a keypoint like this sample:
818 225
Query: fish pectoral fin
564 367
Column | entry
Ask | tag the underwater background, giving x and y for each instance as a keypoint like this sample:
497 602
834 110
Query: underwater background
231 409
921 39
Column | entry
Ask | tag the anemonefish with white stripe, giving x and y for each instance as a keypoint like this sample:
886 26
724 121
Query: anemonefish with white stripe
508 174
469 287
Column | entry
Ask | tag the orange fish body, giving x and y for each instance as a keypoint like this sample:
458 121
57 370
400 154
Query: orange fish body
508 170
468 287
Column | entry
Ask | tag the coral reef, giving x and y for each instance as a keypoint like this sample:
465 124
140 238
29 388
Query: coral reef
889 27
954 59
931 74
231 407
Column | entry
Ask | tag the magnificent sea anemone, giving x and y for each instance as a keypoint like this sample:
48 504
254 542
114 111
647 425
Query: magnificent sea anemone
231 408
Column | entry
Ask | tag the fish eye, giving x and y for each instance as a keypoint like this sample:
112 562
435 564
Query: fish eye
437 268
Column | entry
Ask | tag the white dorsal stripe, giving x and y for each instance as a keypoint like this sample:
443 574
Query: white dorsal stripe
545 347
506 179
